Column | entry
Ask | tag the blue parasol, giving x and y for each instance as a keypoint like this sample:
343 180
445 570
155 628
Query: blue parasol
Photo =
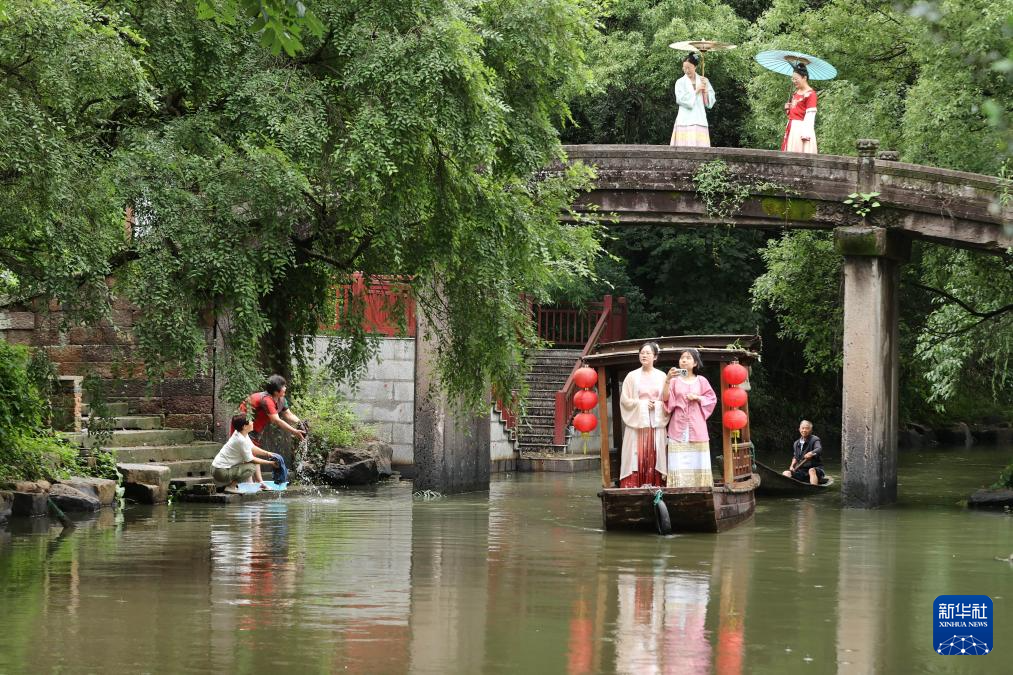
781 62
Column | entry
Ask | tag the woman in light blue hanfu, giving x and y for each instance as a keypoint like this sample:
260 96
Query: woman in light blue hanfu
695 96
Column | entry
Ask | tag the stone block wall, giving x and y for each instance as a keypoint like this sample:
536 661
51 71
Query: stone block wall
384 398
108 351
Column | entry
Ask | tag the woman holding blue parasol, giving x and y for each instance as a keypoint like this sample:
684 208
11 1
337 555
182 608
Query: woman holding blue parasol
800 132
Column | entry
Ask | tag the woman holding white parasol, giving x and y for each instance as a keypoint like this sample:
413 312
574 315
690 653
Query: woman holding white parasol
694 95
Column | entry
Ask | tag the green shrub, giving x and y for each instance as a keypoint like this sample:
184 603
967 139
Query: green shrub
28 448
1005 479
24 409
25 457
332 422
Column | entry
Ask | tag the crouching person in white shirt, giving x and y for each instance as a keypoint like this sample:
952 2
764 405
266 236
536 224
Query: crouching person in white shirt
235 462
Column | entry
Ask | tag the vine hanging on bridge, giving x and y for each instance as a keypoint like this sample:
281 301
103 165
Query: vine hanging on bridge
723 195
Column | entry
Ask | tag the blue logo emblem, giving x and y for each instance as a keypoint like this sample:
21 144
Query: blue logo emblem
962 625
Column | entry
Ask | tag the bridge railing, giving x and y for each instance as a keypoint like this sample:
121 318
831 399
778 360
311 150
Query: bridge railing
610 326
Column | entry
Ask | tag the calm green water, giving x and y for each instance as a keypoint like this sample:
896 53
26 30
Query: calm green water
518 580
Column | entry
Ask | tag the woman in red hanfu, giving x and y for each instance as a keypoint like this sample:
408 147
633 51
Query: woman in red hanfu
800 134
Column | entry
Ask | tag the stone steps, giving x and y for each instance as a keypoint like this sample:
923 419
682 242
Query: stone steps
188 468
116 409
187 482
539 419
167 453
549 370
133 422
548 390
136 437
200 468
536 436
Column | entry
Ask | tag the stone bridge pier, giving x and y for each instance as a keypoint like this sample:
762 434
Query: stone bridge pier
872 260
451 445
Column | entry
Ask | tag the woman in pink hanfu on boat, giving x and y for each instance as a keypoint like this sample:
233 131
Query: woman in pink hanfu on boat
695 95
800 134
690 400
645 420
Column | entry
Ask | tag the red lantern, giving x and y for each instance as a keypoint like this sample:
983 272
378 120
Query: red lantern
585 399
733 397
585 377
585 422
735 419
735 373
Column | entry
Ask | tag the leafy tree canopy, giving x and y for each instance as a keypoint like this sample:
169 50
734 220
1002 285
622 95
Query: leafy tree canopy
406 138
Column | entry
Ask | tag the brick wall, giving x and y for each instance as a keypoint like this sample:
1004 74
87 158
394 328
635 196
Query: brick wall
109 351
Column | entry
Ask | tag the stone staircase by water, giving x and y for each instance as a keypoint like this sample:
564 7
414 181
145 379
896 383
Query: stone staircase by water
142 439
548 373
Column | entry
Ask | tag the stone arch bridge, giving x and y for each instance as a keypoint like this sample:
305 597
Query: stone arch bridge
654 185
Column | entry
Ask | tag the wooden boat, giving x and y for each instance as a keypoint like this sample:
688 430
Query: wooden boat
732 498
689 509
776 483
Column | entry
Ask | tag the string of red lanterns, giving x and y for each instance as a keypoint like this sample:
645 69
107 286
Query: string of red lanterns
734 398
585 400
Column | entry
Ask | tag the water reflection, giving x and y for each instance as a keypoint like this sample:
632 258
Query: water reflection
661 626
519 580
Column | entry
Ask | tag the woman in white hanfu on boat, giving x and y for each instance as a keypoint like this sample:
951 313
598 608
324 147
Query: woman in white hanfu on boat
643 459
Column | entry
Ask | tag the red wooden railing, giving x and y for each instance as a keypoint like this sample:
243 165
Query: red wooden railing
572 326
380 297
507 413
560 325
610 326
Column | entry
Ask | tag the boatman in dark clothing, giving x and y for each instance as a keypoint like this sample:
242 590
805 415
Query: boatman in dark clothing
807 456
271 407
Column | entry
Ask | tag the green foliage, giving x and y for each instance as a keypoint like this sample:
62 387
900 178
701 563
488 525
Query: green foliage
693 280
72 71
634 71
802 285
279 22
968 334
24 409
333 424
395 137
36 457
100 422
103 465
1005 479
28 450
723 195
928 79
862 203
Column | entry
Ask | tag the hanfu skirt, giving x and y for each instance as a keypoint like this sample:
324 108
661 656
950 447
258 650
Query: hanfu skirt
792 141
646 474
691 135
689 463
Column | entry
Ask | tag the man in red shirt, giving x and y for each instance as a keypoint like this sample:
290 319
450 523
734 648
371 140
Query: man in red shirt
271 407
